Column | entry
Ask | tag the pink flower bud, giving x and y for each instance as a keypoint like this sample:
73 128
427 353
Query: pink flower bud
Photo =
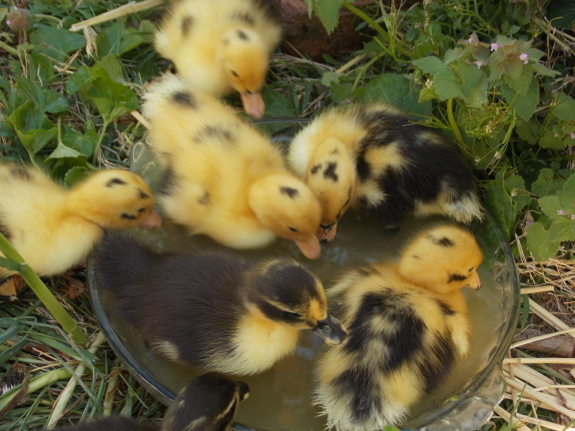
18 18
524 58
494 47
561 212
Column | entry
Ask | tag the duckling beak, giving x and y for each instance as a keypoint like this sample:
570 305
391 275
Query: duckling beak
253 104
310 247
327 233
243 390
152 221
475 282
331 330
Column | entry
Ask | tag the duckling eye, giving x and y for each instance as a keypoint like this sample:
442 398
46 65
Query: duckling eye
249 92
294 315
293 229
235 74
470 269
141 210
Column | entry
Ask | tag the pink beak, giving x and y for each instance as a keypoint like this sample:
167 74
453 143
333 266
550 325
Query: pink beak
310 247
475 282
253 104
152 221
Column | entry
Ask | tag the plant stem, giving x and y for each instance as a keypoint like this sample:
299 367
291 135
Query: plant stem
100 139
40 289
453 124
8 48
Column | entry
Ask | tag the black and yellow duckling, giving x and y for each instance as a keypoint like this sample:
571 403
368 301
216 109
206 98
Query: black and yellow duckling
53 228
222 177
213 311
207 403
372 156
219 46
407 326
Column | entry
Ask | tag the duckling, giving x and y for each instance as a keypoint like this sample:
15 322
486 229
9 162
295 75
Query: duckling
373 157
53 228
408 325
208 403
222 178
219 46
213 311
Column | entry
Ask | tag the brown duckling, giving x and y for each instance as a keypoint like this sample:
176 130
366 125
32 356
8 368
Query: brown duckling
373 157
213 311
408 326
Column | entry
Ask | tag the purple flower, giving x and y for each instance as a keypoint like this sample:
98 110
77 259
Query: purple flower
479 64
524 58
572 216
494 47
572 135
561 212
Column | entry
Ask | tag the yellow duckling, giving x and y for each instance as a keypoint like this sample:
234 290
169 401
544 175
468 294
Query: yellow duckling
213 311
373 157
223 178
219 46
53 228
407 326
207 403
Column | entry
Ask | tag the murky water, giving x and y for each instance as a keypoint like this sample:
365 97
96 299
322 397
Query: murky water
280 398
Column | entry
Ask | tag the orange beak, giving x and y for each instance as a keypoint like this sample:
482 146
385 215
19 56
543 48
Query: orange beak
475 282
153 220
253 104
310 247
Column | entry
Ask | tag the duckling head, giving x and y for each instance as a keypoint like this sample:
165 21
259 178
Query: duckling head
331 177
286 293
114 199
207 403
286 206
244 58
442 259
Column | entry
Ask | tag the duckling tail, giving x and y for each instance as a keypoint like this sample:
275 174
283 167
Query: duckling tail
119 260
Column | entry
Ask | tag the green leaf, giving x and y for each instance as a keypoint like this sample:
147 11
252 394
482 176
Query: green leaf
62 151
328 77
340 93
528 130
119 39
276 106
539 244
80 78
25 118
328 12
112 99
470 75
561 230
565 109
84 143
524 105
520 85
541 70
549 140
545 185
550 206
35 140
566 196
395 90
75 175
430 64
55 42
446 86
44 99
452 55
562 14
501 205
515 187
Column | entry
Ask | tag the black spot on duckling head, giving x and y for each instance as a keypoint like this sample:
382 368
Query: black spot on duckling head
116 181
113 423
289 192
444 241
315 168
143 195
20 172
330 172
214 132
207 403
168 182
456 277
244 17
129 216
184 99
187 22
242 35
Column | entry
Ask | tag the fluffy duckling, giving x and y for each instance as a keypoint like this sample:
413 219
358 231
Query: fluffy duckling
219 46
222 177
373 157
213 311
53 228
208 403
408 325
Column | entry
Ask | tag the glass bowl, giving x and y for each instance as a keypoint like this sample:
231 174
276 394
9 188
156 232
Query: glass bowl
280 398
